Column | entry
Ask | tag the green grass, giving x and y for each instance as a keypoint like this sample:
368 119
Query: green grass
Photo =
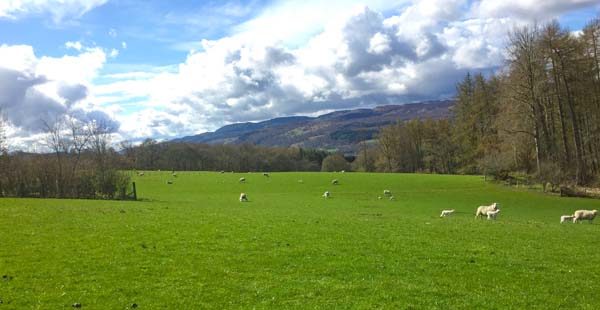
193 245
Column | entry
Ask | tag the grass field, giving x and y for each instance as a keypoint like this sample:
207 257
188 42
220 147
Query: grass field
193 245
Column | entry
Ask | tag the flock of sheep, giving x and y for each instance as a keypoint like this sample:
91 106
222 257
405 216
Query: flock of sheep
491 211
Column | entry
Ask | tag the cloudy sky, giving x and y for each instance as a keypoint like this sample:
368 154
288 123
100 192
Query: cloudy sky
165 69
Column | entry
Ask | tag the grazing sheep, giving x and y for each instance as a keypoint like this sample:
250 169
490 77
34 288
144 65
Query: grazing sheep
326 194
491 215
243 197
379 197
446 213
483 210
335 182
266 174
565 218
392 197
222 171
242 180
141 174
343 171
580 215
387 192
169 182
174 174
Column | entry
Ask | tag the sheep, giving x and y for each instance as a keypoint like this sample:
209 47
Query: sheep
483 210
580 215
169 182
446 213
565 218
300 181
141 174
242 180
343 171
392 197
222 171
379 197
243 197
387 192
335 182
266 174
491 215
174 174
326 195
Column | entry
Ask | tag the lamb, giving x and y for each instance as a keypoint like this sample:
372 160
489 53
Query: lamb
565 218
483 210
335 182
326 195
387 192
243 197
446 213
491 215
242 180
580 215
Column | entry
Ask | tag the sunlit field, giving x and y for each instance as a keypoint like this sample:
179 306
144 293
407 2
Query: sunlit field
192 245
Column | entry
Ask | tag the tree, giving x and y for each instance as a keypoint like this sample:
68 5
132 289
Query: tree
335 162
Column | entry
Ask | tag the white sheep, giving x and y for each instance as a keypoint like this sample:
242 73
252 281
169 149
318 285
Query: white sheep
387 192
580 215
343 171
565 218
392 197
300 181
326 195
483 210
174 174
243 197
446 213
491 215
379 197
335 182
169 182
242 180
141 174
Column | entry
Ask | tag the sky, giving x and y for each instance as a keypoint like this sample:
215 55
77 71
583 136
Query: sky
166 69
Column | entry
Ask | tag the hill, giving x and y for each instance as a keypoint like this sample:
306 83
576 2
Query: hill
339 130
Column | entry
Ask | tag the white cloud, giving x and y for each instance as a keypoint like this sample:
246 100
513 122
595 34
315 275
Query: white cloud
74 45
59 10
527 9
124 45
36 90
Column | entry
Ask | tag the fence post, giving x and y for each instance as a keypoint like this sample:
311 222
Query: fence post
134 192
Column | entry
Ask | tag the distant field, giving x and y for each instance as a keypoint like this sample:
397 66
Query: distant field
193 245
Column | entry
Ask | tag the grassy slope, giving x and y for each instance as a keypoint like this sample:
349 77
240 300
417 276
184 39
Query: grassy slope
193 244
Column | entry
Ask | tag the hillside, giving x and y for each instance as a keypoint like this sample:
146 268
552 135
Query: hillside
339 130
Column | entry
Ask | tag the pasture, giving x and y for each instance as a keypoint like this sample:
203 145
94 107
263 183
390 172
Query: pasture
193 245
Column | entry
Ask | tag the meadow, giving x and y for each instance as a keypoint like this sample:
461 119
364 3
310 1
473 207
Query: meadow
193 245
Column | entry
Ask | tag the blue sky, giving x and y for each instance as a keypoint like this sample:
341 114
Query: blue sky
164 69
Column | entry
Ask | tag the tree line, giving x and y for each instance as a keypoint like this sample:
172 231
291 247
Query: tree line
151 155
82 164
539 116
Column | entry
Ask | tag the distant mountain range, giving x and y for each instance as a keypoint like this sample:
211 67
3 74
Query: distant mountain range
340 130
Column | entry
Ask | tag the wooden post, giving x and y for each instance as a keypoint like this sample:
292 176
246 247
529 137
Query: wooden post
134 192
